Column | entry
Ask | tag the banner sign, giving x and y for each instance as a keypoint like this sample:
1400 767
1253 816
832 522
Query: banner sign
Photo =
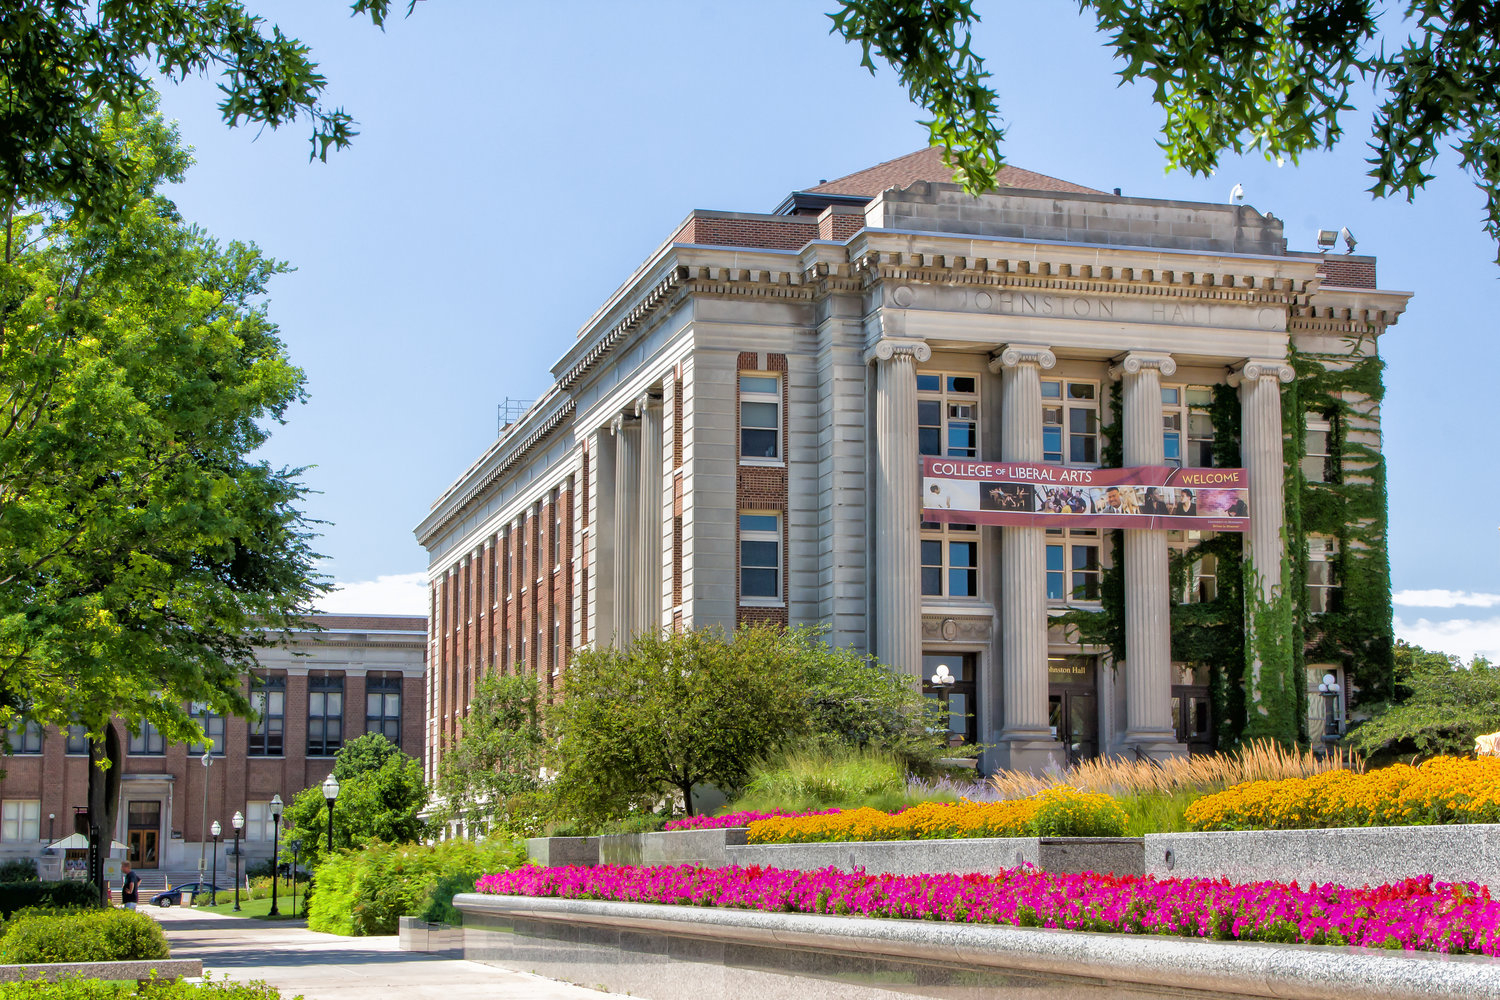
963 491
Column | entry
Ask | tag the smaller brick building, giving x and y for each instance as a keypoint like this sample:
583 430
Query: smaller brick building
360 674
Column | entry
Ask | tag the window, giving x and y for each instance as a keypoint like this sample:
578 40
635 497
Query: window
1315 453
383 705
557 530
258 825
956 699
268 701
77 740
21 819
1322 553
1072 564
505 561
1200 584
948 415
536 542
760 417
213 728
148 741
557 651
325 713
760 557
1187 426
1070 422
950 560
25 737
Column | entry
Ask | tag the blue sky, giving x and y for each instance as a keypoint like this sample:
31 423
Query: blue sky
514 166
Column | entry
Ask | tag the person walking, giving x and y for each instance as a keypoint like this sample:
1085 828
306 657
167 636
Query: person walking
129 887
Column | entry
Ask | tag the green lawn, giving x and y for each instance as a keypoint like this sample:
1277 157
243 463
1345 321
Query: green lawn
257 908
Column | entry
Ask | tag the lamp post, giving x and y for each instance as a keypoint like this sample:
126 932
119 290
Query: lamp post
942 679
295 845
275 829
239 824
213 885
330 792
1329 689
203 824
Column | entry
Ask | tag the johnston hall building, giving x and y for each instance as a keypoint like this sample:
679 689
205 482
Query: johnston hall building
1013 445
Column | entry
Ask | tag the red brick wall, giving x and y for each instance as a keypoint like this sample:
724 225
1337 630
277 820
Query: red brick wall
772 233
1348 272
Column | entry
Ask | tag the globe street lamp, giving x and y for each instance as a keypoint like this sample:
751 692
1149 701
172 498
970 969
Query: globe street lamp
213 886
239 824
1329 689
203 825
330 792
275 829
295 846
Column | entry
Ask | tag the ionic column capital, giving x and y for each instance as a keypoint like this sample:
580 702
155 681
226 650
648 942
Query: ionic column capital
651 397
891 347
1137 361
622 422
1015 355
1255 369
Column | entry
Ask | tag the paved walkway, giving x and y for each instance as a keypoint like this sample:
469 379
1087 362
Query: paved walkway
328 967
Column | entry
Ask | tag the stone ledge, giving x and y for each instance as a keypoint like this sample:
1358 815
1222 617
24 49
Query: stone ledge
163 968
1121 855
1154 966
429 938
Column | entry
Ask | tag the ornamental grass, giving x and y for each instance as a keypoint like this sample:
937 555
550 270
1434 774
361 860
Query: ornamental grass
1439 791
1059 812
1415 915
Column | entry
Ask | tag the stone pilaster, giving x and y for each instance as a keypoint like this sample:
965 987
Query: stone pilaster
897 578
1148 633
648 563
1025 740
1259 382
627 527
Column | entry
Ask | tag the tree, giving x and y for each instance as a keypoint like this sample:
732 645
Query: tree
143 554
1441 706
499 754
68 67
1233 75
675 710
380 794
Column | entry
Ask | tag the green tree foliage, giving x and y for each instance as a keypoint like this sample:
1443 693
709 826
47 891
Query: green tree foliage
380 794
68 66
498 756
1441 706
1234 76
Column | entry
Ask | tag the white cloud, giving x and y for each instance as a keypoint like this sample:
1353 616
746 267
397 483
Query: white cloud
1444 599
397 594
1465 637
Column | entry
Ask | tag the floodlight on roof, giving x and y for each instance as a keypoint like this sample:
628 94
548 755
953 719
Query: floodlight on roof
1326 239
1349 241
1237 194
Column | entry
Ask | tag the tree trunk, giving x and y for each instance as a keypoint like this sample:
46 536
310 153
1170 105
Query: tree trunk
104 782
687 797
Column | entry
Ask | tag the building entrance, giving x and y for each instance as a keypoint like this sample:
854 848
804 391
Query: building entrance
1073 705
143 827
1191 717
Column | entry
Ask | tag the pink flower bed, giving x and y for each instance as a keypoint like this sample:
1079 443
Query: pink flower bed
1416 914
733 819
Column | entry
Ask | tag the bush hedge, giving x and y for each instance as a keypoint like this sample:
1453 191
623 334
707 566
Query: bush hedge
18 870
368 891
81 936
99 989
21 895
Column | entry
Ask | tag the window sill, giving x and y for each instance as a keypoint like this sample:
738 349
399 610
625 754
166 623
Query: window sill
764 463
764 602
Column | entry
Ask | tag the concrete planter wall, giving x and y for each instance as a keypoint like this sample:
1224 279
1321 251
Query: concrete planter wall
1121 855
553 851
1349 856
430 938
705 848
707 953
162 968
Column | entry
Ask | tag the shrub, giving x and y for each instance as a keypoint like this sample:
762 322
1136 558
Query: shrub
92 936
367 891
1065 812
18 870
68 893
438 907
816 776
98 989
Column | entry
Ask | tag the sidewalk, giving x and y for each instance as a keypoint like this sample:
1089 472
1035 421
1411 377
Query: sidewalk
328 967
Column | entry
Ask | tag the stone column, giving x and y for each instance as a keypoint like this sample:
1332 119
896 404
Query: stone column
897 577
1148 623
1259 381
627 527
1025 740
648 563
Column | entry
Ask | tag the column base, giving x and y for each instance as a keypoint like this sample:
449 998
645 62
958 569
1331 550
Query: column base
1158 744
1033 753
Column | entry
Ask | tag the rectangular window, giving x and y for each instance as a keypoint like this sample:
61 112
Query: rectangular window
1322 554
25 737
213 728
147 742
1315 452
1200 426
268 702
557 530
505 562
948 415
950 560
77 740
760 557
383 705
1070 422
258 823
557 650
1200 582
21 820
325 713
1072 564
760 417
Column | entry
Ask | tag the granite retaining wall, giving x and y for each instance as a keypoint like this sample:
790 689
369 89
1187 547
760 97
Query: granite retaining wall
1120 855
161 968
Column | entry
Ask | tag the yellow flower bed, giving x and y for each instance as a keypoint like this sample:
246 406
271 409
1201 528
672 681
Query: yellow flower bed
1442 790
1056 812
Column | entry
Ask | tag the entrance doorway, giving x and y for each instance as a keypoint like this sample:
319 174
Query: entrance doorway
1073 705
142 828
956 698
1191 717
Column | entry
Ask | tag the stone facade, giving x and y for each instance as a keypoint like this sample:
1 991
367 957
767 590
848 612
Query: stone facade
740 427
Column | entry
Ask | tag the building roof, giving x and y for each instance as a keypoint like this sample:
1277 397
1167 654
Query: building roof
927 165
371 623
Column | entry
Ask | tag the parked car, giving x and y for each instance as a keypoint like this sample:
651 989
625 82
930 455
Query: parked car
173 896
